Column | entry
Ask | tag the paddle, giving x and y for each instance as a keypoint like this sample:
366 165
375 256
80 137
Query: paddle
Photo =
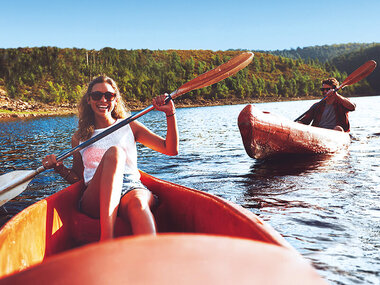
13 183
360 73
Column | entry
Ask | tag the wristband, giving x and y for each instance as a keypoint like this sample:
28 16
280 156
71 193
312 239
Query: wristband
171 115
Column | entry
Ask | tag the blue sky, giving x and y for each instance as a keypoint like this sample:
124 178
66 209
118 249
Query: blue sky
190 24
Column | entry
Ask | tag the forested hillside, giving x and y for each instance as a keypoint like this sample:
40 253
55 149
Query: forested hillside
322 53
344 57
348 62
55 76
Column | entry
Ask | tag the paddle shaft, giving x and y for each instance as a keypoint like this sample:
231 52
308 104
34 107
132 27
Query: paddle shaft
315 105
108 131
30 174
206 79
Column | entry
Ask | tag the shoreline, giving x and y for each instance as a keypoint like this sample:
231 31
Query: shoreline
28 110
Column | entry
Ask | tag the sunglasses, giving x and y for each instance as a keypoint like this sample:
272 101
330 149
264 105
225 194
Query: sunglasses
97 95
325 89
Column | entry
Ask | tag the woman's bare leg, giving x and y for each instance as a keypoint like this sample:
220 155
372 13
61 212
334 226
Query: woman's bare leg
102 196
135 206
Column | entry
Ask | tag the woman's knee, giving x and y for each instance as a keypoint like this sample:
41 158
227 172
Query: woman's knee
115 153
114 156
137 200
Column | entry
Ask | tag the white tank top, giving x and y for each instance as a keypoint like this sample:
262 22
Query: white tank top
122 138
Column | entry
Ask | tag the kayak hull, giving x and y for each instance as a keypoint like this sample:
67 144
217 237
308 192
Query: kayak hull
266 135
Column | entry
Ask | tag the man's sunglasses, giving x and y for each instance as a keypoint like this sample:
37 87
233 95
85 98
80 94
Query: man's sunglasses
325 89
97 95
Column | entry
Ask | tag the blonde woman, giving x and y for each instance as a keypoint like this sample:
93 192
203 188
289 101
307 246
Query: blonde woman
109 166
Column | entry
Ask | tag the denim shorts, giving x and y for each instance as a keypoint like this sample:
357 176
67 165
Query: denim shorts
131 184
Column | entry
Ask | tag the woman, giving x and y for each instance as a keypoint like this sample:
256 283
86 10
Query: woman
109 166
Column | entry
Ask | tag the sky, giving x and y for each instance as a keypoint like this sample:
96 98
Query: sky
188 25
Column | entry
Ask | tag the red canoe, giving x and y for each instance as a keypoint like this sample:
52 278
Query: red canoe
266 135
201 238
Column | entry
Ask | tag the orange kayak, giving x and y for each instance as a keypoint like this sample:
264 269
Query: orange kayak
199 234
266 135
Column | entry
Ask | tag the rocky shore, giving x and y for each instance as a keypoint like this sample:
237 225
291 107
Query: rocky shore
15 109
11 109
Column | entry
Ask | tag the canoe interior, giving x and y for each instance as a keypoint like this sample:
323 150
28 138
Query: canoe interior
54 224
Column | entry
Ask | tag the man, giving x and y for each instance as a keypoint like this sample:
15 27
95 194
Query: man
331 113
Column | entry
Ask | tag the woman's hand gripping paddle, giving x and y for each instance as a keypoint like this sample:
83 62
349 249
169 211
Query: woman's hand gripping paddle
14 183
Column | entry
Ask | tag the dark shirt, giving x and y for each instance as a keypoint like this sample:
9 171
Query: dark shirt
328 118
314 115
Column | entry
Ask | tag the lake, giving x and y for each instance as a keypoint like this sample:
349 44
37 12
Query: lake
327 207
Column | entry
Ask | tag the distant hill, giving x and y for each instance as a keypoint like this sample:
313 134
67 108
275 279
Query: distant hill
349 62
322 53
55 76
343 57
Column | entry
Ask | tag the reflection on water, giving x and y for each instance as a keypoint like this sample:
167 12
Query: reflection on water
288 165
276 176
327 207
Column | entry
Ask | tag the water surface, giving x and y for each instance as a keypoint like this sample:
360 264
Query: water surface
327 207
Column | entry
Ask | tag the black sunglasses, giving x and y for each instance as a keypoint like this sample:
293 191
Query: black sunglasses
325 89
97 95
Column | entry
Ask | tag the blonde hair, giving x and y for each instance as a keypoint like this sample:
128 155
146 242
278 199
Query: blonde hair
86 123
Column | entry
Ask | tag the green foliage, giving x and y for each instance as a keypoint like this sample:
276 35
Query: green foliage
339 61
349 62
320 53
55 76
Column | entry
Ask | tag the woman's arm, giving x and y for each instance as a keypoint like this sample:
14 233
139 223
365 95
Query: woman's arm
77 168
170 144
70 175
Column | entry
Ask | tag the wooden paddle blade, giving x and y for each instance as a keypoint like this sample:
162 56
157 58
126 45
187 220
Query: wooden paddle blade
215 75
14 183
359 74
